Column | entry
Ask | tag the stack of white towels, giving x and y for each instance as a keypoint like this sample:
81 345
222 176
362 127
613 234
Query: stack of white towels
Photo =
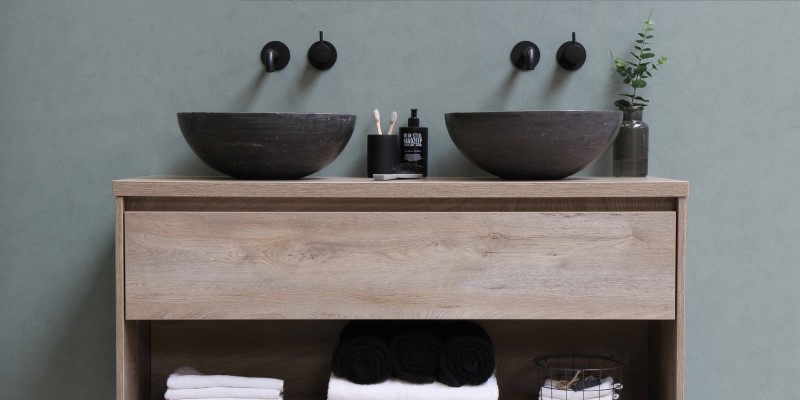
395 389
606 391
188 383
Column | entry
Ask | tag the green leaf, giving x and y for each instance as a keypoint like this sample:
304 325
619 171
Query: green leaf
639 105
648 37
637 47
642 99
622 104
646 49
633 63
640 41
640 70
627 95
635 56
648 29
641 35
654 67
647 55
627 81
648 74
638 84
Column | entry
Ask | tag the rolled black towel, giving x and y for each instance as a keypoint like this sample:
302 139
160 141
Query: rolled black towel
467 355
416 346
363 355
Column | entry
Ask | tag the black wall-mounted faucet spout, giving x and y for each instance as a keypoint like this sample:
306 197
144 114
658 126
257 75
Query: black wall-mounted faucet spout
275 56
269 60
525 55
528 56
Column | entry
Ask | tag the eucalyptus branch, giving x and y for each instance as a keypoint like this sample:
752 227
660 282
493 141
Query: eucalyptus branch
634 74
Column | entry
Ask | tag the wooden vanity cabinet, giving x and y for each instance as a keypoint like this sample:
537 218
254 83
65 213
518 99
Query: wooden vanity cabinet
258 277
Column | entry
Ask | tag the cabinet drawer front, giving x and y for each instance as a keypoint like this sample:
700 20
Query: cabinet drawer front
351 265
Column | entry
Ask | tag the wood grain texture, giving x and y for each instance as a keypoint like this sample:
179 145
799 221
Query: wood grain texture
121 344
654 348
667 337
414 188
256 204
664 363
300 351
133 337
680 309
195 265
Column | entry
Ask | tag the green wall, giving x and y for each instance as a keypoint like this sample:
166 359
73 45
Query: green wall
89 90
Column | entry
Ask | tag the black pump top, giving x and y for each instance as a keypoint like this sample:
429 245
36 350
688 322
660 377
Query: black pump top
413 121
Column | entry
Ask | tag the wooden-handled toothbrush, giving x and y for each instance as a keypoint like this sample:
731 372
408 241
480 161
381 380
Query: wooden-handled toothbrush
392 121
376 115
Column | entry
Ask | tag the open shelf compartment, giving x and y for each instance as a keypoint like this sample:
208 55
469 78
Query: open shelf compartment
300 351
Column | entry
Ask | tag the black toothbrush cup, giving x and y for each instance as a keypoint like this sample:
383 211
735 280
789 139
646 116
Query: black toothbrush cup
383 154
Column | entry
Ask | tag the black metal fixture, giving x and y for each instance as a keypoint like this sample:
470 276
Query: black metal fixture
275 56
322 54
571 55
525 55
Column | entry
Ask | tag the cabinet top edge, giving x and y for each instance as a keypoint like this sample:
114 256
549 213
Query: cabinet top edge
185 186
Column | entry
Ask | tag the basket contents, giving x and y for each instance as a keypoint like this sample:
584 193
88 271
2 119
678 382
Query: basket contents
579 377
556 390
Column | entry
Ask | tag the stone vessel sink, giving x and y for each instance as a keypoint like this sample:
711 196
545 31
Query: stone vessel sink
266 145
533 144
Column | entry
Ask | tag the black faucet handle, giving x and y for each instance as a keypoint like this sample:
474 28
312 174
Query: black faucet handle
322 55
525 55
571 55
275 56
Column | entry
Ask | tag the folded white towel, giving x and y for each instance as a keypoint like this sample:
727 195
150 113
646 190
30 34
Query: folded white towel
232 398
605 389
190 378
394 389
609 397
222 392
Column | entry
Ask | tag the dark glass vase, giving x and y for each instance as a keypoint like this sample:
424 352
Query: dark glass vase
630 147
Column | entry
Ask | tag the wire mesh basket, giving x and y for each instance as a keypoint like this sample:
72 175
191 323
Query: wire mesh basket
578 377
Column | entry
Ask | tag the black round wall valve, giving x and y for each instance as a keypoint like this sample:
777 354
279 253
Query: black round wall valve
525 55
322 54
275 56
571 55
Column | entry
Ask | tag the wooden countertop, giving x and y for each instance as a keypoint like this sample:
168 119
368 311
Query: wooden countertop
186 186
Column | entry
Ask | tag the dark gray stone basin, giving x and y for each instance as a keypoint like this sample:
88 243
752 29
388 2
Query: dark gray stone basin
533 144
267 145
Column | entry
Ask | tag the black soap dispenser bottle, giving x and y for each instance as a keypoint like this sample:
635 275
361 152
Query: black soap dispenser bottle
414 147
